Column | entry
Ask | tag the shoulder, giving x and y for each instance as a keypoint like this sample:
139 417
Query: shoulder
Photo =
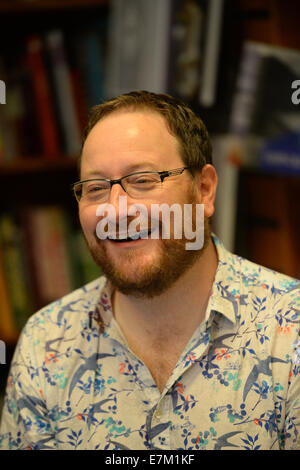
257 291
270 297
254 276
67 314
249 277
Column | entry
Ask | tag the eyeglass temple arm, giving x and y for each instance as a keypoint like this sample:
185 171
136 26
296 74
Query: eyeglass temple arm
178 171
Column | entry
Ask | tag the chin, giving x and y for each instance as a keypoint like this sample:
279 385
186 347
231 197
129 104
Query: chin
150 277
148 270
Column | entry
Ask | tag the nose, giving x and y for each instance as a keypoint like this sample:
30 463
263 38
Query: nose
115 193
116 190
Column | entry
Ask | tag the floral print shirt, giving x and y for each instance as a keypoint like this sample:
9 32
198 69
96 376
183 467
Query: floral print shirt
75 384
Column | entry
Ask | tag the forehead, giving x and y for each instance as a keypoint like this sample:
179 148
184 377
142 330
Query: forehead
127 138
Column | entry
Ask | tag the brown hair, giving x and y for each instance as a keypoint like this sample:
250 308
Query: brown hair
182 122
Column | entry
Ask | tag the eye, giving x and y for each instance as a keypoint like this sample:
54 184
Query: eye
144 180
95 187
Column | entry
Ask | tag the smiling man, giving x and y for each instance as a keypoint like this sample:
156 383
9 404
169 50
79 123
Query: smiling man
128 143
172 348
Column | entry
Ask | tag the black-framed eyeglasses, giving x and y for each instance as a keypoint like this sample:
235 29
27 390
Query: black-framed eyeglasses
138 185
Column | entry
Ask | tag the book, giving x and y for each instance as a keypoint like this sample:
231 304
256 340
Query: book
8 327
186 48
49 257
269 223
79 98
195 49
211 52
64 92
262 103
47 120
31 136
15 269
138 46
90 58
10 144
281 155
18 118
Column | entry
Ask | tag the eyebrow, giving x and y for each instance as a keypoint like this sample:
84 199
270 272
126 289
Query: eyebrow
147 166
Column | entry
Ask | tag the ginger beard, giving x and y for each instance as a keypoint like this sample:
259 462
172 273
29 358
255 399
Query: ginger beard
139 275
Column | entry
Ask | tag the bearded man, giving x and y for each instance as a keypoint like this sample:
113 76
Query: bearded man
172 348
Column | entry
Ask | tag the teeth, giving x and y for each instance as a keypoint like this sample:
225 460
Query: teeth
128 237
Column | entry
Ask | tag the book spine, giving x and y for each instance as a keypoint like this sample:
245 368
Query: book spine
1 144
79 98
36 230
64 92
9 142
45 112
15 270
60 268
158 32
49 256
139 43
244 99
207 95
93 64
8 328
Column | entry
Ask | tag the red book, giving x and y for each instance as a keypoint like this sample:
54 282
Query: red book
46 243
44 105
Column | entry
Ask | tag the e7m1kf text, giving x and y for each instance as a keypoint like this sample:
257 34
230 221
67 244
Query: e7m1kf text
152 459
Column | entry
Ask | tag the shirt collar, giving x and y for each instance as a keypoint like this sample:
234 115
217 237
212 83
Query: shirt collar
225 292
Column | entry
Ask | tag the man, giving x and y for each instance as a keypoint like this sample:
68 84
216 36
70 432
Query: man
172 348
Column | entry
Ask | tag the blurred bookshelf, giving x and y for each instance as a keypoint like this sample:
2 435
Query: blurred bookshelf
23 6
50 85
53 69
36 165
258 153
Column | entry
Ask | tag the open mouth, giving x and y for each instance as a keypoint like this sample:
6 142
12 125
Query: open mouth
137 236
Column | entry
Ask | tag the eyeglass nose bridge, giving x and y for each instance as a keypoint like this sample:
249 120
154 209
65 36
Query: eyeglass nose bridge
118 181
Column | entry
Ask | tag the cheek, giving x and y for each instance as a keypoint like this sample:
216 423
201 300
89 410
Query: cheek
88 219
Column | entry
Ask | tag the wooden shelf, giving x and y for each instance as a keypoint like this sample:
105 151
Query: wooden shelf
15 6
37 165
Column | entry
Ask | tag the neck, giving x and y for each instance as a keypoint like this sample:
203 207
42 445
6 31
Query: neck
179 310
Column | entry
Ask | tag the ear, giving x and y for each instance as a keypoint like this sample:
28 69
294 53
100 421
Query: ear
206 186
